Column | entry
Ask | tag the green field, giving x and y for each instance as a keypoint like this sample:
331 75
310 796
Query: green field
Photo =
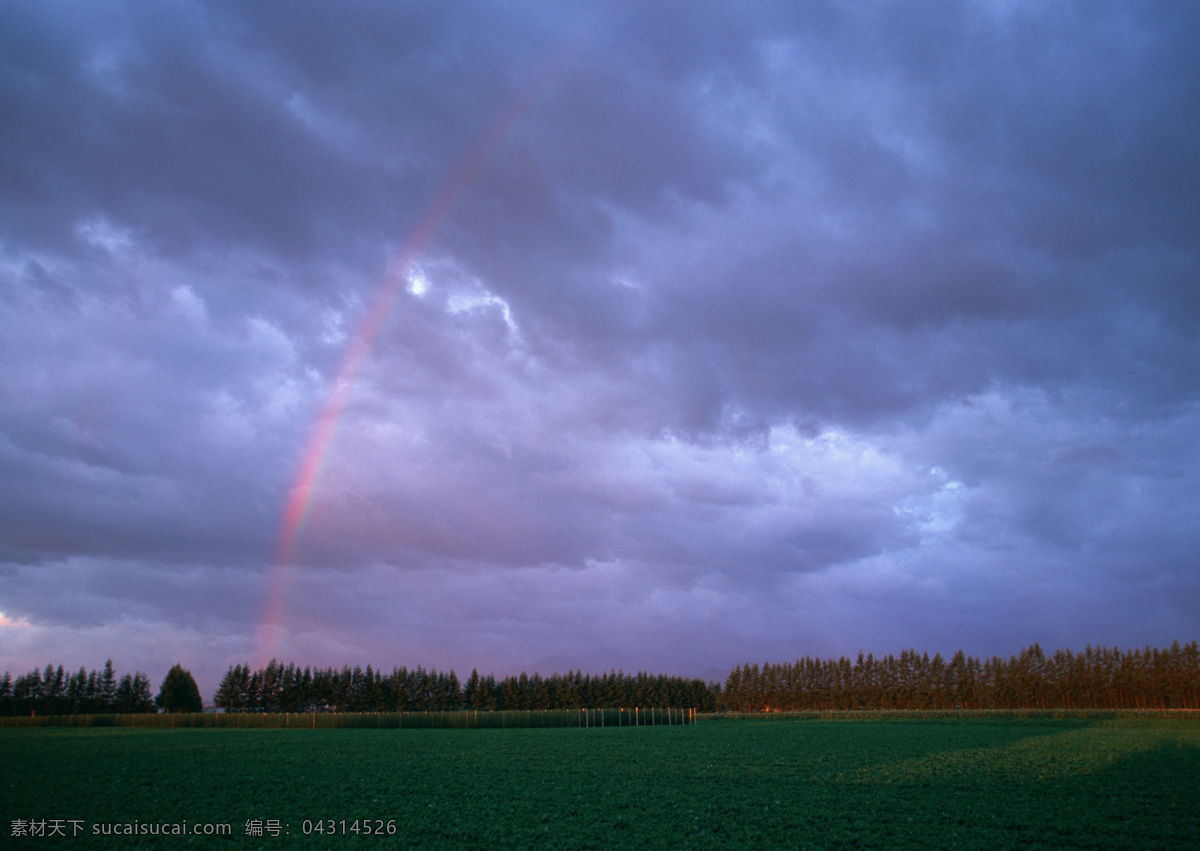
875 782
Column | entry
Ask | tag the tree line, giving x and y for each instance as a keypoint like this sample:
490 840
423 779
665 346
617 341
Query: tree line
1096 678
280 688
58 692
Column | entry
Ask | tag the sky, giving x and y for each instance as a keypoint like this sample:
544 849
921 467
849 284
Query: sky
549 336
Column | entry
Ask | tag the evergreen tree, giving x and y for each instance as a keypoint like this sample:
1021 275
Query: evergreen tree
125 693
140 698
107 687
471 695
228 694
77 693
27 694
179 692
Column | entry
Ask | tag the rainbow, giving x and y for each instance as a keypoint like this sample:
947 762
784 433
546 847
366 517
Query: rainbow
316 453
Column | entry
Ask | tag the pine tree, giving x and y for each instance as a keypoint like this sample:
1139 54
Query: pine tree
141 700
228 692
77 693
125 693
107 685
471 696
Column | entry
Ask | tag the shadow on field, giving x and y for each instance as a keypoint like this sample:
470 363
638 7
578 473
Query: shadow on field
1149 795
919 733
1112 787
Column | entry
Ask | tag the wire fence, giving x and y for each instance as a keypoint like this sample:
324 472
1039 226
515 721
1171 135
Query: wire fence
450 719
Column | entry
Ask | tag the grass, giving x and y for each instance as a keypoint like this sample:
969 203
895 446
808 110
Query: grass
823 783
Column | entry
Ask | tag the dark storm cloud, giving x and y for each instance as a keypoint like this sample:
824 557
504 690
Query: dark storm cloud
742 331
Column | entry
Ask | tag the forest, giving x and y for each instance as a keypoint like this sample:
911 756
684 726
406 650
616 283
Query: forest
1096 678
58 692
279 688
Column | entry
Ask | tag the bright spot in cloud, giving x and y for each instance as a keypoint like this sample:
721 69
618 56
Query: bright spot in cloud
418 284
15 623
464 303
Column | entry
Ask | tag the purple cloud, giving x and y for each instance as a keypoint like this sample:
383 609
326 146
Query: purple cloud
739 333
